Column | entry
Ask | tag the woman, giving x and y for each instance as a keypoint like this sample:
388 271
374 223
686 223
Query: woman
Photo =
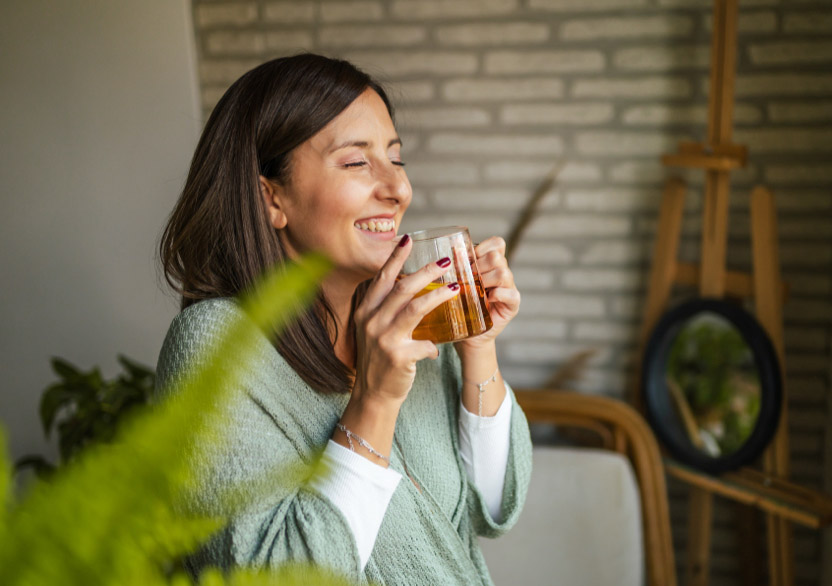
301 154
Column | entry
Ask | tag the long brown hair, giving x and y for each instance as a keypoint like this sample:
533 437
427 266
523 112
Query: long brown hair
218 239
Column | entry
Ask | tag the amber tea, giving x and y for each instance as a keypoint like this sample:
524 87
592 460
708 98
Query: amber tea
464 315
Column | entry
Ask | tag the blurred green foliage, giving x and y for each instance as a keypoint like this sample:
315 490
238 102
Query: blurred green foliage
715 368
115 514
85 408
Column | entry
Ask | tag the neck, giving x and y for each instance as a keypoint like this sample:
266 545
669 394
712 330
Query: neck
339 291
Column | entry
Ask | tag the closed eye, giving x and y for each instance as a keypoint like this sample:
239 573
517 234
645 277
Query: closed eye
355 164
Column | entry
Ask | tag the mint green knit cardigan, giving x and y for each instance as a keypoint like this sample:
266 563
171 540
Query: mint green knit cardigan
278 421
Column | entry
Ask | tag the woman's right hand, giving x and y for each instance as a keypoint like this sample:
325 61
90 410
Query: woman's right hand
386 353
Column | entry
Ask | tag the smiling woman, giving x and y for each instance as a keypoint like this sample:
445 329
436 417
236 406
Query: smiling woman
301 154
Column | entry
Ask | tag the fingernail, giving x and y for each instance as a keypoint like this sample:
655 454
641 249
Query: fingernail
444 262
454 286
405 239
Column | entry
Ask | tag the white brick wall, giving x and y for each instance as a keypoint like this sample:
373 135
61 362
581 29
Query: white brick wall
491 94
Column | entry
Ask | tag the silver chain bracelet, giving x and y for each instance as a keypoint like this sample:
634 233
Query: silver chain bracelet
361 442
481 388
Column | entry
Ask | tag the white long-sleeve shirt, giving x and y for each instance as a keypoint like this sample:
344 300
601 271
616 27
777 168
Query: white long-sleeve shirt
362 490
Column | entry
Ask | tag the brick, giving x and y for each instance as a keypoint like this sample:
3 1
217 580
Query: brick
224 72
480 226
641 172
609 332
226 14
403 93
481 90
627 27
782 84
537 328
805 255
419 201
562 114
808 22
666 115
289 12
811 174
539 351
612 200
480 198
289 41
441 173
490 144
570 306
640 88
680 57
469 35
442 117
601 280
211 95
637 144
626 306
809 284
553 61
572 172
749 22
808 311
578 226
783 140
806 338
799 201
803 228
584 6
354 11
800 111
405 63
791 53
550 253
439 9
235 43
350 36
533 279
616 253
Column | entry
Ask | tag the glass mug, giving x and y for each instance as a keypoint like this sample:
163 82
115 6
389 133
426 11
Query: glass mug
464 315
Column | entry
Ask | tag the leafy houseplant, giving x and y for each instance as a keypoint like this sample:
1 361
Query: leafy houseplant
116 513
84 408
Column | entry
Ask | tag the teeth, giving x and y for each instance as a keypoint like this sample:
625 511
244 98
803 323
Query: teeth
376 225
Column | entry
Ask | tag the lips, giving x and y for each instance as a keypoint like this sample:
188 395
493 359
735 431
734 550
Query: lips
376 225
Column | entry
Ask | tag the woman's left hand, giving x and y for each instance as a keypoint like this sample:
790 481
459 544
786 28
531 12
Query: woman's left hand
501 293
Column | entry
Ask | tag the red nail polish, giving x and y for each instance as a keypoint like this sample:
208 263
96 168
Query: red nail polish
444 262
405 239
453 286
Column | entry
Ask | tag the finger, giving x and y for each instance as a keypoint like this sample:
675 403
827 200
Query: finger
494 243
498 277
508 297
408 286
492 259
424 349
411 314
384 280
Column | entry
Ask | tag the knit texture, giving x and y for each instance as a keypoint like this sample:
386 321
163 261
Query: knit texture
277 421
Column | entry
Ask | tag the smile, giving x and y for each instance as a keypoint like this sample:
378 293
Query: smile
378 225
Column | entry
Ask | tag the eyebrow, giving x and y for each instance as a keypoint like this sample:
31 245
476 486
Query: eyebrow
361 144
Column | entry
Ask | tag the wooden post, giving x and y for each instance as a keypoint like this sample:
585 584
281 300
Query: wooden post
769 302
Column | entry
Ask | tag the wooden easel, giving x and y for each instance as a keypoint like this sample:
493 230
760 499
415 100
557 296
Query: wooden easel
718 157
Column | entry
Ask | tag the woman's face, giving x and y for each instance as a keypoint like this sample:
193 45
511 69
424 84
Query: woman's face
347 191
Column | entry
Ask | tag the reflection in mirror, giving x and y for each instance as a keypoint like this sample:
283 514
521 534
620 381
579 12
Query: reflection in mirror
714 384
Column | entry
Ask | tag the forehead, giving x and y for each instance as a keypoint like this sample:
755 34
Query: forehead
366 119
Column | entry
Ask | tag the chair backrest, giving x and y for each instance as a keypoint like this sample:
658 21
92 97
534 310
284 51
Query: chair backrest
604 515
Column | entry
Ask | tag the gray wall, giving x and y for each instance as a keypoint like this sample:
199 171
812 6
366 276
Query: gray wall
98 120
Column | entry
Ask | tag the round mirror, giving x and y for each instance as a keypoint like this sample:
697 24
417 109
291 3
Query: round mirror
711 385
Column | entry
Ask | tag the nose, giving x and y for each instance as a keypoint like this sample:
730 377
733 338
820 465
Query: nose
394 185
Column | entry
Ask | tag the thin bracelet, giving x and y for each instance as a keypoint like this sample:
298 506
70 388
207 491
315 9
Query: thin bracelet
361 442
481 388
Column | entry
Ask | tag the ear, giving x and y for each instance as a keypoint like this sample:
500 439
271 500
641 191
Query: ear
271 194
